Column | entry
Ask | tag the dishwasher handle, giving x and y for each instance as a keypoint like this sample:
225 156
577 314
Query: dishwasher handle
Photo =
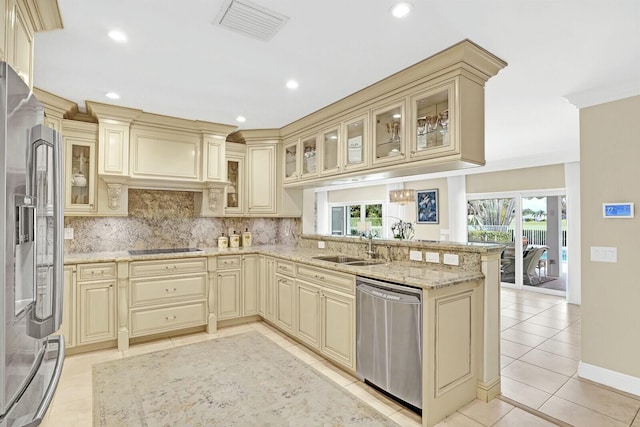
388 294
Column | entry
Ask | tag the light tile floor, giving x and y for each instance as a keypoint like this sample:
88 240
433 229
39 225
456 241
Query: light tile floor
540 349
72 404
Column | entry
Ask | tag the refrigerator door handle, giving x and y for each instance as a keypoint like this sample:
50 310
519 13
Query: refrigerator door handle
44 182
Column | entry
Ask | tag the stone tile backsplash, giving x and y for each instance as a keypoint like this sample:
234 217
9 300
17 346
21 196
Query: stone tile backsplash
163 219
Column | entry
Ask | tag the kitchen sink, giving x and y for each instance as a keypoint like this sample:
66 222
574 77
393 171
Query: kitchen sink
341 259
364 262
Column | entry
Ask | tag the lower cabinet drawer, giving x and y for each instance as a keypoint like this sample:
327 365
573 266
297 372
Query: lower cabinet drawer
168 289
155 320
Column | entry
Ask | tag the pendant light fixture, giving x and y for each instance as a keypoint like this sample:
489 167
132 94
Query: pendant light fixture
402 196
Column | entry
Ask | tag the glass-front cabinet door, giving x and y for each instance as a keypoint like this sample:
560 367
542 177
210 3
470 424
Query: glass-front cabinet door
80 179
291 161
309 156
356 138
431 122
388 133
234 191
330 139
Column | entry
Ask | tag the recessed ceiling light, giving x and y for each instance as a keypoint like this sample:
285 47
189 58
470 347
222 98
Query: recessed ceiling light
292 84
397 116
112 95
333 137
118 36
401 9
241 119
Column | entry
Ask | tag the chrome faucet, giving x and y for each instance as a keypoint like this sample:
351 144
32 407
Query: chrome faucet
370 251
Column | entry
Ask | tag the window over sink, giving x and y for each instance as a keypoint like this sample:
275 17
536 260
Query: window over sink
345 218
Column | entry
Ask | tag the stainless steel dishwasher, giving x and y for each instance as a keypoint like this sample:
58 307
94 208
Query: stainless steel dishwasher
389 338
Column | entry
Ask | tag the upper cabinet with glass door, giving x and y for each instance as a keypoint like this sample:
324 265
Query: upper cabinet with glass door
388 133
309 156
432 122
291 161
80 142
355 137
330 140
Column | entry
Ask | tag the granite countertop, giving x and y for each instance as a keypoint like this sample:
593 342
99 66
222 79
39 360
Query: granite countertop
410 273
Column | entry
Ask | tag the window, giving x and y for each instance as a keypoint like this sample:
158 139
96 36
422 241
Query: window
345 218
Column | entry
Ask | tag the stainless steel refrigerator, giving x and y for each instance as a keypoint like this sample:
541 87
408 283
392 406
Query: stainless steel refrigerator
31 269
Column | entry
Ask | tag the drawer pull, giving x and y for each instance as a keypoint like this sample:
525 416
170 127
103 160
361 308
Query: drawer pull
170 289
101 272
167 267
170 318
318 277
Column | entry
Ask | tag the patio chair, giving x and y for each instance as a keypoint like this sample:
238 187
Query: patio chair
529 265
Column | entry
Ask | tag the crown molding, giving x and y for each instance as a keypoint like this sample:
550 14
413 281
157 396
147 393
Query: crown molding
603 95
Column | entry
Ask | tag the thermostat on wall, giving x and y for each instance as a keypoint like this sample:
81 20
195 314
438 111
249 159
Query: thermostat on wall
617 210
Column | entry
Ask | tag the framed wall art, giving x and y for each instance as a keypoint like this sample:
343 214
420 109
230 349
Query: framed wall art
427 203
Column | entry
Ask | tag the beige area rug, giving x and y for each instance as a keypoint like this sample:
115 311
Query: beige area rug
240 380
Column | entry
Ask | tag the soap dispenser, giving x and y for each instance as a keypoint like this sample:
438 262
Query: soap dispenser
246 238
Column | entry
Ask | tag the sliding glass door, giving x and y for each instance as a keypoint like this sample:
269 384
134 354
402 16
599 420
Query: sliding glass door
533 228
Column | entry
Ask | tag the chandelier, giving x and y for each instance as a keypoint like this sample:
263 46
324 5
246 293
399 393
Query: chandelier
402 196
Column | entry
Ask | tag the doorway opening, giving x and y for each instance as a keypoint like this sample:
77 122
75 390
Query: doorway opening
533 228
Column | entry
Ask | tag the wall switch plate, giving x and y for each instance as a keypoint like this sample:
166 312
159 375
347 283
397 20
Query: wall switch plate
451 259
604 254
320 245
432 257
68 233
415 255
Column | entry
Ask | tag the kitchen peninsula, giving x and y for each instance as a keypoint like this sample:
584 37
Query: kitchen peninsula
118 298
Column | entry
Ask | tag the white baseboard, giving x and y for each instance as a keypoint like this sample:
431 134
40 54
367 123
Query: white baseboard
610 378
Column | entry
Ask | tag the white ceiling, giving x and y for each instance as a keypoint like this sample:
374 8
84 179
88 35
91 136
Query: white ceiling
177 63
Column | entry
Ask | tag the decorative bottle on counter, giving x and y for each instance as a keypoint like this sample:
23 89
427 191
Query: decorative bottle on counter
246 238
234 240
223 242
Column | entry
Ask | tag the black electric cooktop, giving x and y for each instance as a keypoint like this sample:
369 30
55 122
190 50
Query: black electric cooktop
162 251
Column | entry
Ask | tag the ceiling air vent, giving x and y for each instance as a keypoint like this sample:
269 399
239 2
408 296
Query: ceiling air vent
250 19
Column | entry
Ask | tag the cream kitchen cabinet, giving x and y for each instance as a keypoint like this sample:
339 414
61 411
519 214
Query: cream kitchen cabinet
330 150
355 147
291 161
325 304
426 118
308 317
214 155
261 179
237 283
80 144
338 327
21 19
267 288
167 295
250 270
68 326
309 156
96 302
235 190
431 127
160 154
229 294
20 33
388 124
285 296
